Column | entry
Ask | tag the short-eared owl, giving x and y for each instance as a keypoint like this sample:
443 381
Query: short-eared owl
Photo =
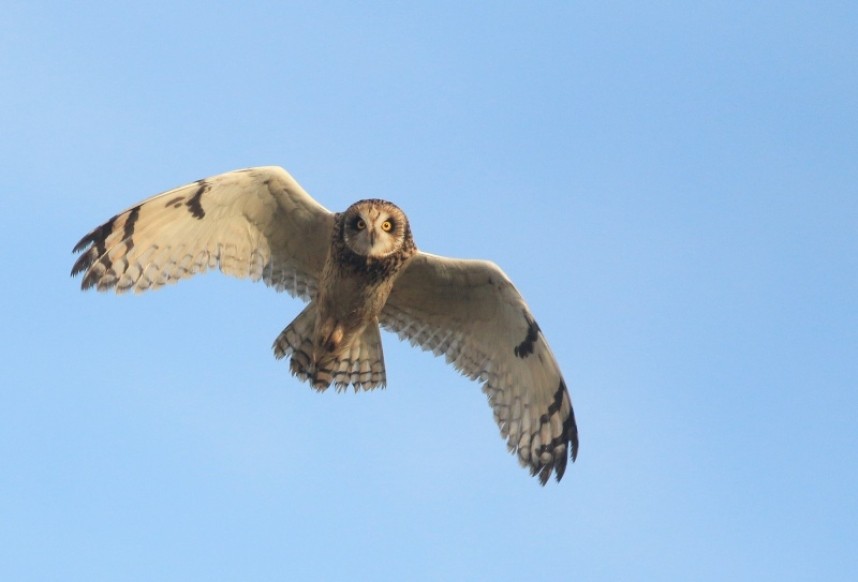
358 269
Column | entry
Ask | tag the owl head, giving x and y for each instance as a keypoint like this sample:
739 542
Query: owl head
375 228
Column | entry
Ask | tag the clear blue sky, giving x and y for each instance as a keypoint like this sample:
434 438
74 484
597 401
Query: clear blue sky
672 185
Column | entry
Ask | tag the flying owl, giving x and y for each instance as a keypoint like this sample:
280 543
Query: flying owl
358 270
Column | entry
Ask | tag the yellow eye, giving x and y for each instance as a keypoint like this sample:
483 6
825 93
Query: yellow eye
386 226
360 224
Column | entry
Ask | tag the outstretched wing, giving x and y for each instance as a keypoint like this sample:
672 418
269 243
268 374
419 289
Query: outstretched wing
257 223
472 313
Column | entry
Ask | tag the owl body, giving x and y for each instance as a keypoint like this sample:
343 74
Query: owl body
358 270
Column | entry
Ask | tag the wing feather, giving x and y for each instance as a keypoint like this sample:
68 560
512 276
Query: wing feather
256 223
470 312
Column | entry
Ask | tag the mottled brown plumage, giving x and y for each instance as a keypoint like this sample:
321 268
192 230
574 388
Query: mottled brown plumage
355 283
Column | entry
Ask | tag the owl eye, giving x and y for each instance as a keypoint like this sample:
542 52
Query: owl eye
386 226
360 224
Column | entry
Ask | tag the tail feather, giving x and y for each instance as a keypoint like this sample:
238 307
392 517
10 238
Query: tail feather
361 365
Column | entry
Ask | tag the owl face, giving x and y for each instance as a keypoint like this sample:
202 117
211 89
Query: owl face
374 228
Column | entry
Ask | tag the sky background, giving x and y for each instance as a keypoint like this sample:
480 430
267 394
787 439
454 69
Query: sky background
673 186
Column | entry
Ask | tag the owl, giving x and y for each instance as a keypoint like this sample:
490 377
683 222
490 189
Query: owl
358 270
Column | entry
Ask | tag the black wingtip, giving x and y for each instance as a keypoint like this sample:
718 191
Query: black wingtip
83 243
82 263
572 431
92 245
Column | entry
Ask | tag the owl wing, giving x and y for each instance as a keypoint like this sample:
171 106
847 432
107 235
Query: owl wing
472 313
256 223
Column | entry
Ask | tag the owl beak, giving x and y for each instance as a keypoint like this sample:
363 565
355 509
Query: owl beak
372 238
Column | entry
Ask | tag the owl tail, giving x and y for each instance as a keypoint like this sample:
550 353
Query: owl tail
360 364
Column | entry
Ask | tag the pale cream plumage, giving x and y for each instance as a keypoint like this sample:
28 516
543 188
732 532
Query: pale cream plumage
260 224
